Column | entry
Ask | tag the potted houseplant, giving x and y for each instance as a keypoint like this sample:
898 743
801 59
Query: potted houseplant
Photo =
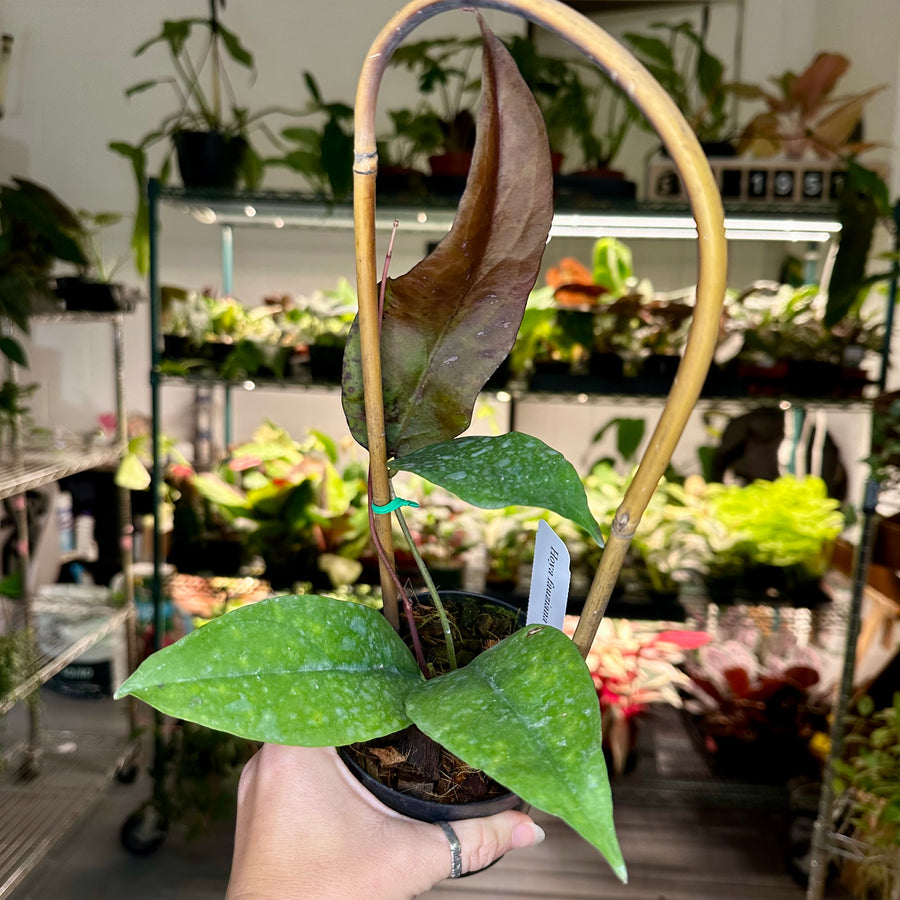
634 664
223 335
93 288
330 315
208 130
667 547
321 155
804 116
442 126
603 119
758 700
867 782
789 344
402 154
290 505
374 683
694 78
37 231
769 538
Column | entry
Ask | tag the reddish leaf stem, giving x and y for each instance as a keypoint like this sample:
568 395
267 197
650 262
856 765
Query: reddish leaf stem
379 548
401 593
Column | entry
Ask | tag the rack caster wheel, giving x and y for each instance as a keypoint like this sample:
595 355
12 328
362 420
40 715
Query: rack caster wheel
128 773
129 769
144 831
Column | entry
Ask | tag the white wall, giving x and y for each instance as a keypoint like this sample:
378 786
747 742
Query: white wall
73 58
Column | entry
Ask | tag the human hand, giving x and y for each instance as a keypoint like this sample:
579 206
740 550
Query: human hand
306 828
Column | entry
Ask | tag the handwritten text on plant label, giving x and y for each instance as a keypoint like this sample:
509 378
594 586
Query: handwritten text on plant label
550 575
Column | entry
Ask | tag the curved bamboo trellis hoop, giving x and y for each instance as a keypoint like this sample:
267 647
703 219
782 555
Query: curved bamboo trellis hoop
706 206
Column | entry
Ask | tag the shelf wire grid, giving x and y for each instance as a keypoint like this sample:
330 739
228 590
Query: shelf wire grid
74 768
35 469
54 656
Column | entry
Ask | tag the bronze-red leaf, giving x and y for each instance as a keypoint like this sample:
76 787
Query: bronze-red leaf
451 320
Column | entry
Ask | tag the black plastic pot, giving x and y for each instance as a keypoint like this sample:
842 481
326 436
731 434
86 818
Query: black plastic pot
593 183
398 181
209 159
326 363
788 585
500 377
92 296
657 373
432 810
813 378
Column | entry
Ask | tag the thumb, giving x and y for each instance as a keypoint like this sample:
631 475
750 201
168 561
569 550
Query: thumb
484 841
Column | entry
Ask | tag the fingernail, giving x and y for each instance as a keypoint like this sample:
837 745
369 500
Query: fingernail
527 835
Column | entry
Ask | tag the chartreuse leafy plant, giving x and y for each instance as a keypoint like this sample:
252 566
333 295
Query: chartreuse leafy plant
787 522
316 671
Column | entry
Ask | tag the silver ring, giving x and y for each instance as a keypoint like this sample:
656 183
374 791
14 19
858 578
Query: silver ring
455 849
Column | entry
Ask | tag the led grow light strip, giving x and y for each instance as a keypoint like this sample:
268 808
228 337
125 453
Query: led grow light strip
611 224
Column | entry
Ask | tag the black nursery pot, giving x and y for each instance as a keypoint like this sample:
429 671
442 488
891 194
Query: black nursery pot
209 159
326 363
430 810
92 296
425 810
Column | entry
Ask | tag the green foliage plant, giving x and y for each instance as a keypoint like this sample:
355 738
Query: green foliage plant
37 231
256 340
611 116
323 156
863 203
867 782
668 546
293 503
786 522
443 121
205 100
317 671
778 321
97 266
692 75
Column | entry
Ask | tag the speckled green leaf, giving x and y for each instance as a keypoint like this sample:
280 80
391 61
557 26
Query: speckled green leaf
526 713
451 320
302 670
505 470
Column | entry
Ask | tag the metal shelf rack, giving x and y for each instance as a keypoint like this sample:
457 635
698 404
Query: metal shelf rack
810 223
45 788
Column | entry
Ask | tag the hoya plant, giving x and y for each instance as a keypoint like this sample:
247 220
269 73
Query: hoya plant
316 671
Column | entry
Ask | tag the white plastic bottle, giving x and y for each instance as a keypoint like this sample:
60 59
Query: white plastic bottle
64 522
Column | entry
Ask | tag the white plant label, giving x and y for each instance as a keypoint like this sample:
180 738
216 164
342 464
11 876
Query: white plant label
550 576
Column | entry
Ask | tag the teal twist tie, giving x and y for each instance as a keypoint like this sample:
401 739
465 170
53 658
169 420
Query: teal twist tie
389 507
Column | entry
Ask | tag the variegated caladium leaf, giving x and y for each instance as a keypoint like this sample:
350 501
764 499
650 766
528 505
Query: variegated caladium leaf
303 670
451 320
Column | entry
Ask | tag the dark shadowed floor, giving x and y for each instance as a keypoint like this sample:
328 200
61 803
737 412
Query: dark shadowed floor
686 835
